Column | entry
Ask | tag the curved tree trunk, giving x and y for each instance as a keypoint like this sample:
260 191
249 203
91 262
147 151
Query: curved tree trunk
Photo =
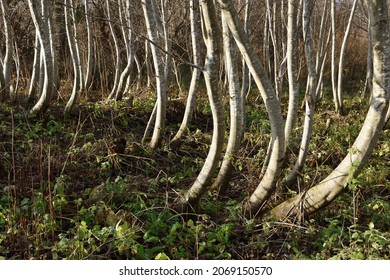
292 66
212 40
236 113
151 24
90 48
9 49
310 98
342 57
329 188
118 63
39 12
268 182
195 39
70 26
128 36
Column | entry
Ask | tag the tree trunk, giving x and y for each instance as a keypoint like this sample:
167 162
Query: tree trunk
329 188
342 57
151 24
129 39
70 26
292 66
268 182
90 48
9 49
196 71
118 63
39 12
236 112
212 39
310 98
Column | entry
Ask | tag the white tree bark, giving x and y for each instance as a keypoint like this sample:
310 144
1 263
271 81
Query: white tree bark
90 47
129 39
9 49
342 57
151 25
196 71
40 13
212 39
329 188
236 111
268 182
70 26
292 66
118 61
310 98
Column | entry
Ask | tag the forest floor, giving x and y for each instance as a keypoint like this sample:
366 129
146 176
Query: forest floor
84 187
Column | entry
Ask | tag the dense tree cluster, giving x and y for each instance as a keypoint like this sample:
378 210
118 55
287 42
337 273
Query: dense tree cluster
279 47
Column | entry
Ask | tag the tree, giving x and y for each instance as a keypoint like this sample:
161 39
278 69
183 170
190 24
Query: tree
196 72
128 36
71 33
236 111
310 98
212 39
6 64
40 13
268 182
152 25
292 66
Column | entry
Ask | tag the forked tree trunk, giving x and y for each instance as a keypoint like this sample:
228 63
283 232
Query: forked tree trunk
151 24
128 37
70 26
39 13
272 104
118 61
212 39
329 188
236 112
310 98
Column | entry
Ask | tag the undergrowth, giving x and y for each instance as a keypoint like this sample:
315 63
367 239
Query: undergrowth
84 187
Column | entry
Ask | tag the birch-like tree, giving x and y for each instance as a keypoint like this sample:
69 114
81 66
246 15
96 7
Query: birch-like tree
292 68
40 13
272 104
71 33
328 189
212 40
236 111
128 36
310 98
337 78
196 72
6 63
159 114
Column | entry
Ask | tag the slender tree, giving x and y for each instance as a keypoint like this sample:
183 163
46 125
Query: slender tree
152 21
268 182
196 72
39 12
5 79
128 36
236 111
71 33
292 66
212 40
310 98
